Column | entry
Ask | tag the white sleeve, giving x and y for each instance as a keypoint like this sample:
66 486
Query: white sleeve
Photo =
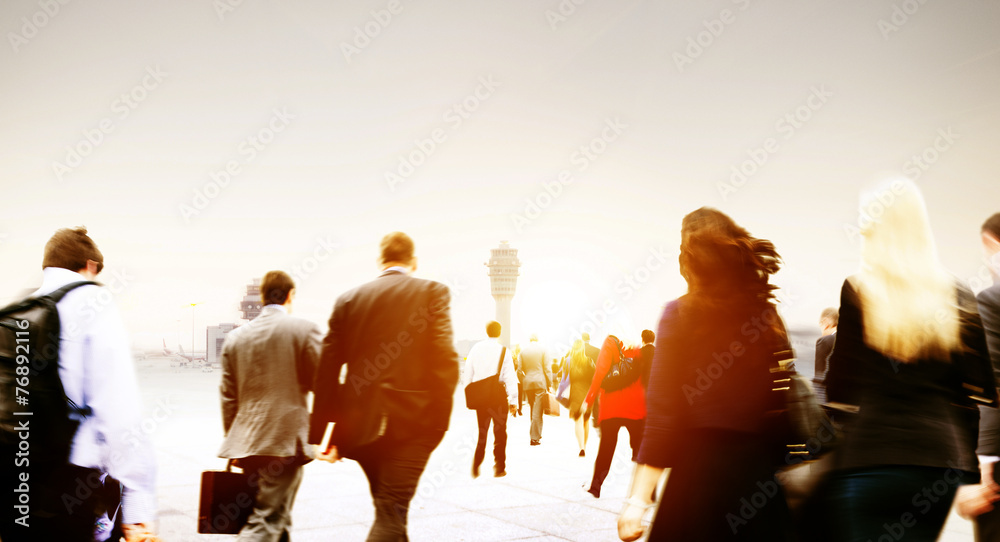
509 377
112 393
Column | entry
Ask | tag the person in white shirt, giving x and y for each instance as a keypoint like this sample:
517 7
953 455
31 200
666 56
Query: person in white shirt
97 373
482 363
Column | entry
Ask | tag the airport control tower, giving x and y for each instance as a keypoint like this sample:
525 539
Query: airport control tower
503 266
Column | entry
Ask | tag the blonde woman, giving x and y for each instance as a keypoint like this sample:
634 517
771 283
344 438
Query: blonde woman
581 372
905 324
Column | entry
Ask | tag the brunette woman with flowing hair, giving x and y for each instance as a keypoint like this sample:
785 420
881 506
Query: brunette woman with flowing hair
709 394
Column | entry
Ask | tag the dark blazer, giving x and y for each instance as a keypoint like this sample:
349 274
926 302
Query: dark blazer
910 413
394 334
646 362
824 346
267 372
989 423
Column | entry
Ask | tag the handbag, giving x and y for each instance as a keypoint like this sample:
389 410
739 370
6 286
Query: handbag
488 392
550 407
562 394
622 373
227 499
803 429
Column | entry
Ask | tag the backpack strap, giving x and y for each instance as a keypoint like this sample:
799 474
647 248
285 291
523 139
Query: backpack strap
57 295
75 411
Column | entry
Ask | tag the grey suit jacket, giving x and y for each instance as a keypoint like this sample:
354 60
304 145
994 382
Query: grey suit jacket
267 371
536 365
989 421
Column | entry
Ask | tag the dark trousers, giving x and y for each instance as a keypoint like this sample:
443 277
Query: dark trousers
497 415
988 526
900 502
393 466
609 441
535 398
63 503
277 481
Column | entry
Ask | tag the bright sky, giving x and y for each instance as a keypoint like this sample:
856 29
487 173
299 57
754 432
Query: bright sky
447 118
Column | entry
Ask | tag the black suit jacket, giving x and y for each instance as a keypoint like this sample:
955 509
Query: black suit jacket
989 423
910 413
394 334
824 346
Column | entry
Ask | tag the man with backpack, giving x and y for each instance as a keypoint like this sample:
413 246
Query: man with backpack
71 412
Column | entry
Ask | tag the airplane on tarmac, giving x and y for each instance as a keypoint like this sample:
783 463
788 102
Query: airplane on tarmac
182 354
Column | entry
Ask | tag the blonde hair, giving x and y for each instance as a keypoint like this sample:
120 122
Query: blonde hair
907 297
577 354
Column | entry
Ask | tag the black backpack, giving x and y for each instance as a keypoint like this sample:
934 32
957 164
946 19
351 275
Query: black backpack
32 397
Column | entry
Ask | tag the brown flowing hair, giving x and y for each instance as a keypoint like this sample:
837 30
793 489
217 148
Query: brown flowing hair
721 260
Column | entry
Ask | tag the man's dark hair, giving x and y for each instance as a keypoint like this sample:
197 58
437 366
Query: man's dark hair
493 329
274 287
648 336
396 247
992 226
70 249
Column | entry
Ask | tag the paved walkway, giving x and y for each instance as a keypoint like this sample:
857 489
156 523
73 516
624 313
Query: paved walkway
541 499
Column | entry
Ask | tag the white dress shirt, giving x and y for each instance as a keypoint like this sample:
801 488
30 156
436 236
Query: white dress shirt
482 363
96 368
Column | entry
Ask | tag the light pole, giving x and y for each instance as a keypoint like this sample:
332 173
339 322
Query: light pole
192 331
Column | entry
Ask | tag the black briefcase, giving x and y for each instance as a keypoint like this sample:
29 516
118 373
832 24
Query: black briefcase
227 499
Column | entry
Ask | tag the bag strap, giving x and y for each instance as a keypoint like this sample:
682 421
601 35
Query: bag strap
57 295
503 352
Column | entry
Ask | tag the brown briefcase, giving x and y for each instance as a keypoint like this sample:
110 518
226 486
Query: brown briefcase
227 500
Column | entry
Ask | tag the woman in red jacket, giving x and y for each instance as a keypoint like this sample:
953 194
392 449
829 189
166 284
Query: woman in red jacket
621 408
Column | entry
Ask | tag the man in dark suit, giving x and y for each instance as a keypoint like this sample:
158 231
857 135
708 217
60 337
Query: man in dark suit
646 354
392 410
828 321
980 501
268 367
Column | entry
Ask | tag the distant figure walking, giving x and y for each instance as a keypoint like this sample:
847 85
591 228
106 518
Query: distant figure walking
581 373
537 381
824 347
268 367
482 363
395 336
621 407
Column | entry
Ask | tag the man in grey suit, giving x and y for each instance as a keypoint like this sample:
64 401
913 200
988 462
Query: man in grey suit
268 367
980 501
537 381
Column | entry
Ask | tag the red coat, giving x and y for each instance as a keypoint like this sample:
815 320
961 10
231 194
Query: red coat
628 403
